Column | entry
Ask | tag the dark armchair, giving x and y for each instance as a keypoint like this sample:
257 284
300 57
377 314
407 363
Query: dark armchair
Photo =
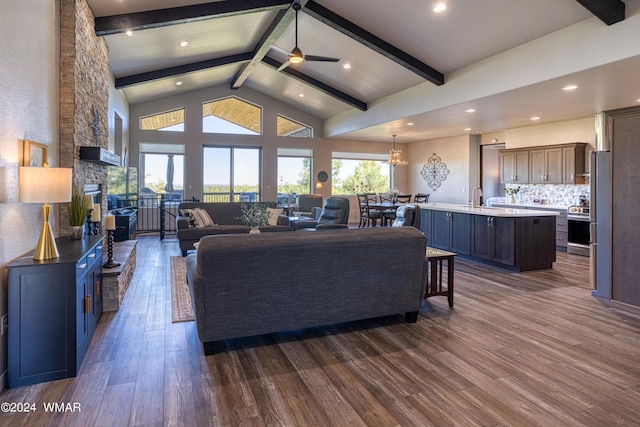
307 203
407 216
335 214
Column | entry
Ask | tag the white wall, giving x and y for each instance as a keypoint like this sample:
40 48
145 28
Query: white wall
456 153
29 101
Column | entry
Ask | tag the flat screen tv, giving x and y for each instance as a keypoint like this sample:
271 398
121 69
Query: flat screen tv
122 187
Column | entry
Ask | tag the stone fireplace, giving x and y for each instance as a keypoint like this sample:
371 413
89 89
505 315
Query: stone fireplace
84 99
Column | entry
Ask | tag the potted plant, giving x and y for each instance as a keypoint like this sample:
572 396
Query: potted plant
77 214
254 215
512 191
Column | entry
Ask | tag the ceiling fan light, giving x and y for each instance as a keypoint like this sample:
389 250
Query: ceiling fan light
296 56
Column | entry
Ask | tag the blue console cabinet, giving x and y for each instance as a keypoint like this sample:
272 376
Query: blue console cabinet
54 308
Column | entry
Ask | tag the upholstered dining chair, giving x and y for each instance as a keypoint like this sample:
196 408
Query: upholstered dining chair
403 198
335 214
368 214
421 198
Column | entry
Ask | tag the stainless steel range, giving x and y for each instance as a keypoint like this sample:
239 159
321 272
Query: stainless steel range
578 237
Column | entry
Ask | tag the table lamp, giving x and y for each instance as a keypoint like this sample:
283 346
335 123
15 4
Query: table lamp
45 185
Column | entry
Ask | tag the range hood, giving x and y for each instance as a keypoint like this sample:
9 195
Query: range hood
100 156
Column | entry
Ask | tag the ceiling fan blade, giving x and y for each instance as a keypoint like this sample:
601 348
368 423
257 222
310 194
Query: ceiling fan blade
278 49
284 65
320 58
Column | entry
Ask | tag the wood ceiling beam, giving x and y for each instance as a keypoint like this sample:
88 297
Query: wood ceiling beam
122 82
282 21
364 37
608 11
323 87
115 24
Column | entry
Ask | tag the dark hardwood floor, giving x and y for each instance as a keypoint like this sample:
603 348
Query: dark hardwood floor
529 349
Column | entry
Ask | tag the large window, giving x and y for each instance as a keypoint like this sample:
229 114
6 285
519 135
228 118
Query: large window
353 173
231 174
170 121
294 171
161 171
231 115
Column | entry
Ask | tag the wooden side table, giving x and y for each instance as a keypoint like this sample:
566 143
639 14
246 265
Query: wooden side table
434 277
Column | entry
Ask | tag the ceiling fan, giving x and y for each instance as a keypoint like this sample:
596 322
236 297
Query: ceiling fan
296 56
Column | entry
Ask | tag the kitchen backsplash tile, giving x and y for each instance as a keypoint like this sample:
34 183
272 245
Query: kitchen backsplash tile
559 195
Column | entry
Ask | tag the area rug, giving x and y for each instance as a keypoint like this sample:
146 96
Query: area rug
181 308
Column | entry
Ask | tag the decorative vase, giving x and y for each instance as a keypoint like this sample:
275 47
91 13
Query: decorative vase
512 199
254 230
76 232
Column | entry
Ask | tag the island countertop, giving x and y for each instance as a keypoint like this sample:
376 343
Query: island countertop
483 210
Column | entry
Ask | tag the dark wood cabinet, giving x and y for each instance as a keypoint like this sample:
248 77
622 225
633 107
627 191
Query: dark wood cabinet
556 164
545 166
519 243
514 166
573 167
494 239
54 308
451 231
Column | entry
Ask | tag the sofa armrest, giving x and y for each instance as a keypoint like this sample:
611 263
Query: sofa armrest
181 223
316 212
299 225
283 220
331 226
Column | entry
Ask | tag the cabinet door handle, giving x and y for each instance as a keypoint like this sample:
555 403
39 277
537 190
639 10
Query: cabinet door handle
87 304
488 221
492 221
97 288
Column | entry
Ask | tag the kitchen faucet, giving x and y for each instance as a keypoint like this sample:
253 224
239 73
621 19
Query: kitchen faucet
475 202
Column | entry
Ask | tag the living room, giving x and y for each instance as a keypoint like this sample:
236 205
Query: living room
324 376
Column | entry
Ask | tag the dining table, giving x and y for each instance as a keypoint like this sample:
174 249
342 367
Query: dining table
385 207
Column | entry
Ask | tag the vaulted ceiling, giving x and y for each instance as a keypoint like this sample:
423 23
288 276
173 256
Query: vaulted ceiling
400 62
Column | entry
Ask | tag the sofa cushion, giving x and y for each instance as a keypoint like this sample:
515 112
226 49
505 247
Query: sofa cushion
234 229
197 217
273 215
195 233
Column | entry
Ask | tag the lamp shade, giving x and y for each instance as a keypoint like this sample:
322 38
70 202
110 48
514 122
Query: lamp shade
44 185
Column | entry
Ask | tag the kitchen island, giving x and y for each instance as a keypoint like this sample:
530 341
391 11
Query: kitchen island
514 239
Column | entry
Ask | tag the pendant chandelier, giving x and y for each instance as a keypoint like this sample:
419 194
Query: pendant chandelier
395 155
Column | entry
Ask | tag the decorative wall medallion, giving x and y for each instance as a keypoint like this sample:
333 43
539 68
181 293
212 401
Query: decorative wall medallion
434 172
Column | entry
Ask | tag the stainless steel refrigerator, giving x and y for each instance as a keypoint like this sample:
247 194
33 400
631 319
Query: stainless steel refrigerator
600 213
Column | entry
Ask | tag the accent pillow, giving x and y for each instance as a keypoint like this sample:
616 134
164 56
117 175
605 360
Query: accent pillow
197 217
273 215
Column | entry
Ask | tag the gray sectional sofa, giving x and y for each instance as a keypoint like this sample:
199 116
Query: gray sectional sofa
244 285
224 215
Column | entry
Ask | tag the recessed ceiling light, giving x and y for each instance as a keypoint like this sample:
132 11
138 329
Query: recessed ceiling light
569 88
410 124
129 33
439 7
467 129
534 118
301 95
470 110
184 43
347 66
178 83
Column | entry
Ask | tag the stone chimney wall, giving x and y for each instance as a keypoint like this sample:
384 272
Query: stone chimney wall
84 98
